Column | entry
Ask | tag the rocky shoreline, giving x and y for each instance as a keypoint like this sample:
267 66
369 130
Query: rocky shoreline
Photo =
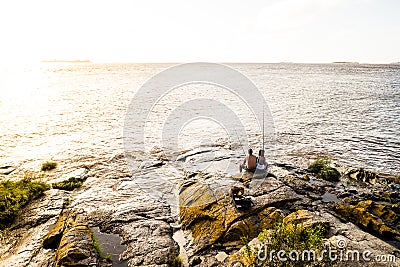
365 215
362 208
57 229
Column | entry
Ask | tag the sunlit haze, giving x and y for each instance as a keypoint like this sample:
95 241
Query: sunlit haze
186 31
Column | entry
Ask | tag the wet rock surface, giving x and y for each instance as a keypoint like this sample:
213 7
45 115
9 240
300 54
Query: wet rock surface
121 207
55 229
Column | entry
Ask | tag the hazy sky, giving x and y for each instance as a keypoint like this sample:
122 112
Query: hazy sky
187 31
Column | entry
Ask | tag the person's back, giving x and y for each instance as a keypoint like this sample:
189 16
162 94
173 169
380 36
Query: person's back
249 163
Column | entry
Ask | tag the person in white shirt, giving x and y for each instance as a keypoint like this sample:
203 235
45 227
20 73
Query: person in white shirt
261 162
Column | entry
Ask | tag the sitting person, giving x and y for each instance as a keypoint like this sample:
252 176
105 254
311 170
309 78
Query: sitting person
249 162
261 163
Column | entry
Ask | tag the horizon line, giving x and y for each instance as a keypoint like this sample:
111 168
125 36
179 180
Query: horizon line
88 61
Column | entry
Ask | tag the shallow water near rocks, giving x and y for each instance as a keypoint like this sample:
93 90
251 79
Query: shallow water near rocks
312 181
329 197
77 110
110 244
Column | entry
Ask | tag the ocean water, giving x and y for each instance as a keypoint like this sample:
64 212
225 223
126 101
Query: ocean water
66 112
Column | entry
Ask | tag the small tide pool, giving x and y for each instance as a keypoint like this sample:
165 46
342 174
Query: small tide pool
110 244
329 197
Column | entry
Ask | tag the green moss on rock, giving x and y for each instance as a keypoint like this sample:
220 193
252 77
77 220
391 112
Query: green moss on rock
48 165
329 174
321 167
177 262
68 185
15 195
319 164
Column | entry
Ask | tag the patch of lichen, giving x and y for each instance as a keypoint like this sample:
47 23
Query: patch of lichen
306 219
15 195
395 208
203 223
238 230
202 211
270 217
386 196
213 221
374 217
76 247
48 165
220 222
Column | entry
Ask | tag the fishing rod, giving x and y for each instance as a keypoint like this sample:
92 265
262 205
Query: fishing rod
263 128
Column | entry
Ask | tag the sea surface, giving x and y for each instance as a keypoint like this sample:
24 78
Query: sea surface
67 112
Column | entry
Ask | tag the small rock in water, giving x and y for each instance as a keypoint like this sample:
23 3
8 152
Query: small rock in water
194 152
6 170
363 175
151 164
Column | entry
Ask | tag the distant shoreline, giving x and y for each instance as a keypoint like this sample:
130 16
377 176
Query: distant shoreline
345 62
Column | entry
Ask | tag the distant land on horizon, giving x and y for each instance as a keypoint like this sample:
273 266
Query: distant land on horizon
345 62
